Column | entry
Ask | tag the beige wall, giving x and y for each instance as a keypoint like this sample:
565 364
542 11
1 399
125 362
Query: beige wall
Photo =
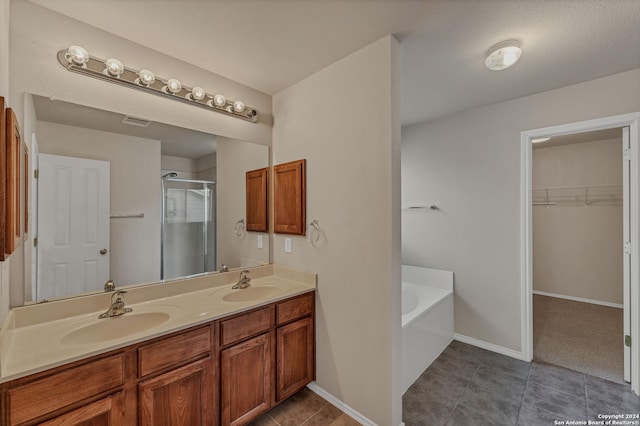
344 121
38 33
135 188
577 250
4 91
469 164
184 167
239 158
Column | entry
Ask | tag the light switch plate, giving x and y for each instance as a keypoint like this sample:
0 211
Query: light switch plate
287 245
259 241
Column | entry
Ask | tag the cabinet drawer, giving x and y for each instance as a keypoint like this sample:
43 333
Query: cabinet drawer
247 325
64 388
294 309
173 351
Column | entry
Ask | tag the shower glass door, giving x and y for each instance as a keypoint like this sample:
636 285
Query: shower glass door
188 228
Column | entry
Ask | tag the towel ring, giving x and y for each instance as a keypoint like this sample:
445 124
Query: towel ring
239 227
313 232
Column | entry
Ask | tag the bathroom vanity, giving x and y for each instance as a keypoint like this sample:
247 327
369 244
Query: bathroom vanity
251 351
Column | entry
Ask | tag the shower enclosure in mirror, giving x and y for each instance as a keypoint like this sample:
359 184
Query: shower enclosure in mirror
188 227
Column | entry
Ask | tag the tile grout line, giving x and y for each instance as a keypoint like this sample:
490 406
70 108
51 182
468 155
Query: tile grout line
313 415
462 394
586 399
274 420
526 386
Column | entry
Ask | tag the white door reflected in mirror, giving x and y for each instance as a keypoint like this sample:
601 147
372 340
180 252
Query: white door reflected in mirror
73 225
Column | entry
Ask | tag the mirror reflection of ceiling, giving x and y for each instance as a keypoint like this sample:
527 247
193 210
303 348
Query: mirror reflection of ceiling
270 45
596 135
175 141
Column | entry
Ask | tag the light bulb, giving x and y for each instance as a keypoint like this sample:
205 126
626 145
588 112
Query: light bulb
173 85
76 55
146 77
238 106
114 67
219 100
197 93
503 55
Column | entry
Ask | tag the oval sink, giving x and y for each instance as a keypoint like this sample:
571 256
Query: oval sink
251 293
115 328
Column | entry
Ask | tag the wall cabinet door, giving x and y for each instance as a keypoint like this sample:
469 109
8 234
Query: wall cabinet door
290 198
181 397
105 412
295 355
246 380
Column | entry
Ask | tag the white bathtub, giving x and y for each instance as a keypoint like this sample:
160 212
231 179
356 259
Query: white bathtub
427 319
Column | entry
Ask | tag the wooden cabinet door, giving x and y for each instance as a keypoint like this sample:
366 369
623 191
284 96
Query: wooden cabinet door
295 355
256 203
181 397
246 380
104 412
290 198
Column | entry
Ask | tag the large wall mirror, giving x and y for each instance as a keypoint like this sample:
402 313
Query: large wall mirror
124 199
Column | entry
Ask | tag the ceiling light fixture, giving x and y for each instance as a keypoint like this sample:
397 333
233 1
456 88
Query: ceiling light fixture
503 55
76 59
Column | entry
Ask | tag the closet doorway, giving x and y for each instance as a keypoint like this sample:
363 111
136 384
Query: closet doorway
580 213
578 251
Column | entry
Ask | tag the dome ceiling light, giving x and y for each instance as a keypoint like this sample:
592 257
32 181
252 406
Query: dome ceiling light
503 55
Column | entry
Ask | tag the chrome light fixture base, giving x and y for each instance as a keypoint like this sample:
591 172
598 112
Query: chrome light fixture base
95 67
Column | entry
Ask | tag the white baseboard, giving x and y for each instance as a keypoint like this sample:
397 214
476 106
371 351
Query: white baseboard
579 299
489 346
313 386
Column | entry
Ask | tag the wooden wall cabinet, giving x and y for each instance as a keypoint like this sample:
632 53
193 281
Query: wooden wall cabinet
257 208
290 198
227 372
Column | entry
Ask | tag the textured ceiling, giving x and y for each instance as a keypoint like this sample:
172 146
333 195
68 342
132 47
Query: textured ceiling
270 45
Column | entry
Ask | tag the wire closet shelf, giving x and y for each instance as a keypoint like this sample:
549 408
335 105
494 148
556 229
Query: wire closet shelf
578 195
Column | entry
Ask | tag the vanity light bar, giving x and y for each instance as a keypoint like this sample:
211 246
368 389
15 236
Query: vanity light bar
76 59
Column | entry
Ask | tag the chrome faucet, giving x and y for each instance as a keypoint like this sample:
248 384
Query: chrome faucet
244 281
109 286
117 306
224 268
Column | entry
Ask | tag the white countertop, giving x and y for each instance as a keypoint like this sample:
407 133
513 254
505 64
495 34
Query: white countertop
35 338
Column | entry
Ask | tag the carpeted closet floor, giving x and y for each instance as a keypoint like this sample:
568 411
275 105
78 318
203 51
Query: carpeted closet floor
580 336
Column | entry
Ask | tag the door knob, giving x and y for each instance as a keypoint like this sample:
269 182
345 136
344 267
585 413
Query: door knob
103 251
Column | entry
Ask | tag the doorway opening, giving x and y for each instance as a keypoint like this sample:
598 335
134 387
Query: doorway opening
554 201
578 249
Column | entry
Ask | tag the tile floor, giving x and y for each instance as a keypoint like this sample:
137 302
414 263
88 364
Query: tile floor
305 408
470 386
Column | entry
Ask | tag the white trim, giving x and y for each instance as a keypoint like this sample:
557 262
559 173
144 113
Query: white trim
580 299
489 346
632 120
315 388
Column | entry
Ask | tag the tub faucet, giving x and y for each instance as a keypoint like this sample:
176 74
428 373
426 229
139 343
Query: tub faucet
117 306
244 281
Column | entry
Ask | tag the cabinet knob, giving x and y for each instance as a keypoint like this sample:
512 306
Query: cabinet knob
103 251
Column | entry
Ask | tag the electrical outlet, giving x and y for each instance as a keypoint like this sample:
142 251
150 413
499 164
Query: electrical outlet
287 245
260 241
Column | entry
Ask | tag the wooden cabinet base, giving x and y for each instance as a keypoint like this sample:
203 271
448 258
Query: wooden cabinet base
246 379
223 373
181 397
105 412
